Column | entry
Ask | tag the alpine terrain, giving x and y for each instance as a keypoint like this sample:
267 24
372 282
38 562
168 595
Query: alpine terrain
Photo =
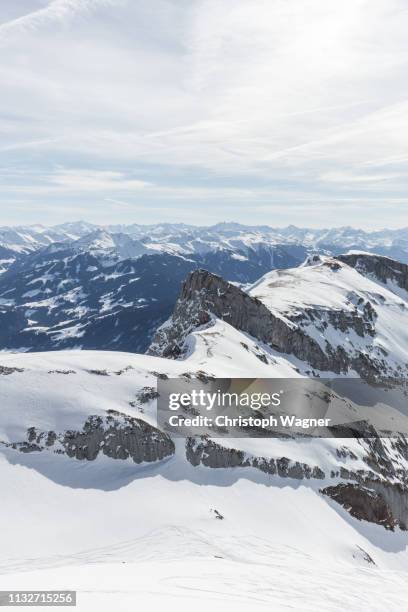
97 497
79 285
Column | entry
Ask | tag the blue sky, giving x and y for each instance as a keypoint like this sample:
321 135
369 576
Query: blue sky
199 111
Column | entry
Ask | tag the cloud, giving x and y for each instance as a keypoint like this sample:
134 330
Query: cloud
94 180
44 14
186 99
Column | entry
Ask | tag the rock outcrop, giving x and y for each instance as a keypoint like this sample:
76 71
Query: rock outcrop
115 435
382 268
377 494
205 296
363 503
206 452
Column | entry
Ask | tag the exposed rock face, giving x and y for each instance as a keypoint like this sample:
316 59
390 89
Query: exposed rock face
385 458
205 295
383 268
5 370
396 497
361 320
363 503
383 486
213 455
378 494
117 436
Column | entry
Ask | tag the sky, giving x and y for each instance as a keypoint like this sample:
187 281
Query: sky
198 111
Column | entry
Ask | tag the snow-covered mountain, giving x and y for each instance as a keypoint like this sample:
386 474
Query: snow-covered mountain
339 315
83 294
187 239
20 241
80 285
117 246
29 238
393 243
96 496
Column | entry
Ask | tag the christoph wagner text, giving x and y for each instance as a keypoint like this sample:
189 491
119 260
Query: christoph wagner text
265 422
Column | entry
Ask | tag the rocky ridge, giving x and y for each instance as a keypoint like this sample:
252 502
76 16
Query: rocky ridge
205 297
116 435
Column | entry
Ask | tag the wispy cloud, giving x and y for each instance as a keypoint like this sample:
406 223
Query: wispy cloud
94 180
217 99
46 12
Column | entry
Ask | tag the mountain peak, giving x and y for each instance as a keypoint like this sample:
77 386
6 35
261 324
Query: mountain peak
206 298
332 314
384 269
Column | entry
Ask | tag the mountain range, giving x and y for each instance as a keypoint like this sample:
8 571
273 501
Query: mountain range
177 238
77 285
92 482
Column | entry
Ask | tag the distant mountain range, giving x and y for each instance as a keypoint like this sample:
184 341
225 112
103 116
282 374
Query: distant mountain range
135 240
78 285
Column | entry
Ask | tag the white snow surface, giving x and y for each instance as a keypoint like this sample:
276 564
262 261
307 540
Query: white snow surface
126 535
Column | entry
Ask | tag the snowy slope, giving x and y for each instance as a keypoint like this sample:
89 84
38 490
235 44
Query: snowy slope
341 307
101 526
81 383
279 546
80 511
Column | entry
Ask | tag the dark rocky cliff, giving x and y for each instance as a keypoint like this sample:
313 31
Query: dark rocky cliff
382 268
205 296
115 435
